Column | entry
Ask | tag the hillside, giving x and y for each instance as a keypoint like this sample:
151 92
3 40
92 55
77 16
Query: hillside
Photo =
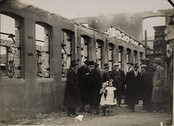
130 23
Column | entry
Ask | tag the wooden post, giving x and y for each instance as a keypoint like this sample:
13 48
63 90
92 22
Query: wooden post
172 87
145 42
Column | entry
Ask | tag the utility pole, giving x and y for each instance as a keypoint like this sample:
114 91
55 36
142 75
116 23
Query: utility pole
145 42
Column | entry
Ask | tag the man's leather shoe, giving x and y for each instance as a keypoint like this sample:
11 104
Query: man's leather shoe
70 115
75 114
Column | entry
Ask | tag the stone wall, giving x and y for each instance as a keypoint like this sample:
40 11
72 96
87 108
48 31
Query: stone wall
30 94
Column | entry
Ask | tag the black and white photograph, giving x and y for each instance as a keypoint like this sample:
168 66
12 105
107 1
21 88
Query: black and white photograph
86 62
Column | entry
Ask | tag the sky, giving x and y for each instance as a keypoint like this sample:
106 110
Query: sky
82 8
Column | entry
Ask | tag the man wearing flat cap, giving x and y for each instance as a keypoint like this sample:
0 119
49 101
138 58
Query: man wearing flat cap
118 77
133 81
158 85
147 83
83 73
72 95
130 66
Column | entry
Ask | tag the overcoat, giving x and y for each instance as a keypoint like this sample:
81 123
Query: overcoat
118 79
95 82
106 76
133 84
72 95
147 83
83 82
158 85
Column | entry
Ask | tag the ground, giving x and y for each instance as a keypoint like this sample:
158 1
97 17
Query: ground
121 117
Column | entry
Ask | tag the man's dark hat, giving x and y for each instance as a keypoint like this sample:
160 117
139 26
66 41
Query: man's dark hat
136 65
96 65
91 63
106 65
86 62
73 63
130 63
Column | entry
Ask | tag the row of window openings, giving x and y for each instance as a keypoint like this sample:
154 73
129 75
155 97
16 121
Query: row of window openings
42 52
10 58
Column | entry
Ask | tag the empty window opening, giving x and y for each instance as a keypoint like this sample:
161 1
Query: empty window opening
110 56
120 56
66 51
128 58
84 49
10 47
99 46
43 51
135 57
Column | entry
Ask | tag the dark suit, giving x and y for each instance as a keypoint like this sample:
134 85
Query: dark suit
118 82
83 83
94 88
106 76
72 95
133 84
146 89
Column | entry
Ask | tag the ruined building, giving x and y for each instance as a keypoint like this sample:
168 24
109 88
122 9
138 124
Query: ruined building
33 71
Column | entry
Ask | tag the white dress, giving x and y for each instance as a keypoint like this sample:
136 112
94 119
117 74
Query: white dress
110 96
103 99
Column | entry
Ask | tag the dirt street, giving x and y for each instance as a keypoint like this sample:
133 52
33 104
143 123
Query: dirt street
121 117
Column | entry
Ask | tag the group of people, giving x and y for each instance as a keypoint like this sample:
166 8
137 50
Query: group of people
90 86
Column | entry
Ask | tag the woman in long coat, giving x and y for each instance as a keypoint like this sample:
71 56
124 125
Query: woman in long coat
158 85
72 95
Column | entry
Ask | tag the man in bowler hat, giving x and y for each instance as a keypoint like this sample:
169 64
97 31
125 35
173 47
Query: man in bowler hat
83 73
72 95
133 81
94 80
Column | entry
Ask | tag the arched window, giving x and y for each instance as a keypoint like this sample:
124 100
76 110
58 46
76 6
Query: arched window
10 47
66 51
110 55
135 57
99 47
84 48
120 55
128 57
43 51
141 55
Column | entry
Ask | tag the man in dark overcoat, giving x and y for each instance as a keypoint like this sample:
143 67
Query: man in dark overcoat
118 77
133 82
83 73
106 75
146 87
72 95
95 81
127 88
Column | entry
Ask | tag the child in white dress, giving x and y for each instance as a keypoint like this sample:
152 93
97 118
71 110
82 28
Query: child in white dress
110 98
103 97
107 98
